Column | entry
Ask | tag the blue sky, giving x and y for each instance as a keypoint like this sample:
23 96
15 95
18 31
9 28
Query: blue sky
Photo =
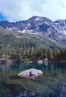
2 17
15 10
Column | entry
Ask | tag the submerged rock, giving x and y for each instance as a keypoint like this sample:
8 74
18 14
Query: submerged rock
28 94
30 73
63 92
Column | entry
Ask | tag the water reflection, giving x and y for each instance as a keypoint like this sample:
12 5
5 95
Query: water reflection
52 82
51 66
4 67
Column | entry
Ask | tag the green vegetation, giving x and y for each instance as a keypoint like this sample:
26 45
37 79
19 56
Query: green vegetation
22 47
19 40
32 54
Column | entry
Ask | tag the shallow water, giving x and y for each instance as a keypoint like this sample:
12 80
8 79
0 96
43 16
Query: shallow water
51 84
51 66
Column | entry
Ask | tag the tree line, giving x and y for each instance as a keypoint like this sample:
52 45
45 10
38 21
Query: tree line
29 54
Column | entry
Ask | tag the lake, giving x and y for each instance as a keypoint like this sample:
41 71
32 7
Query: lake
51 84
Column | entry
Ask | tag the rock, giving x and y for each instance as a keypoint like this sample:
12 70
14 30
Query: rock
28 94
40 61
63 92
45 61
30 73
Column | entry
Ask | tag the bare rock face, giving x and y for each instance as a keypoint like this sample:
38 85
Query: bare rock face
30 73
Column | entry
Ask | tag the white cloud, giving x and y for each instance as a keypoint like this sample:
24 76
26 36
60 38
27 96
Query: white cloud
15 10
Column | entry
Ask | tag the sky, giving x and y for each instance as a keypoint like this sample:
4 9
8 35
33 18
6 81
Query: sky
16 10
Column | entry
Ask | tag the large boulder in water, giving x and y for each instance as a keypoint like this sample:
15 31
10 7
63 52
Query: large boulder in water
30 73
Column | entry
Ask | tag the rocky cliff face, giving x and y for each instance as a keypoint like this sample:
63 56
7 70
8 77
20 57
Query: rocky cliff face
38 25
52 30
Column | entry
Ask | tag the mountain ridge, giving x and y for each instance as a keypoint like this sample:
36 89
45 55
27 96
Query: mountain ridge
55 31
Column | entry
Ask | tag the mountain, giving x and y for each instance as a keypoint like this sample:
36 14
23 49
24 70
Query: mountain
10 39
61 25
52 32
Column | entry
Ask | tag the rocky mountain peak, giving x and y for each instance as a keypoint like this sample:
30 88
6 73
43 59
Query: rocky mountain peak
39 25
